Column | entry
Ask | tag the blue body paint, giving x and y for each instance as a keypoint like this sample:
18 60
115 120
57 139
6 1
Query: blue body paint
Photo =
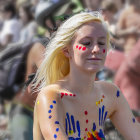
134 120
51 106
99 116
55 136
78 128
101 134
105 116
66 127
69 122
118 93
71 138
54 101
49 111
56 122
103 108
94 126
73 123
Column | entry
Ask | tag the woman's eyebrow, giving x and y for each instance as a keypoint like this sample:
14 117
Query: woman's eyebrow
89 37
102 37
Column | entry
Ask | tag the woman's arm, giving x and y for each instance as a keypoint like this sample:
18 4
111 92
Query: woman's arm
50 115
123 118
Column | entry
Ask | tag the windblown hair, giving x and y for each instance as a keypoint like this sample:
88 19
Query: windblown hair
55 65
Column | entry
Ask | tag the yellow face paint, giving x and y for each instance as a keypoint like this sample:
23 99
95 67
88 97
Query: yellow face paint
38 102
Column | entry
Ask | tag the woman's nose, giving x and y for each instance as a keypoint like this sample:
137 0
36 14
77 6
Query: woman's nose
96 49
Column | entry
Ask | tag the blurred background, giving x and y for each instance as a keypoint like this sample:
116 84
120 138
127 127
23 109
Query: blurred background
26 26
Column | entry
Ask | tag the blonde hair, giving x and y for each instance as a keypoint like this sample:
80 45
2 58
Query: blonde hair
55 66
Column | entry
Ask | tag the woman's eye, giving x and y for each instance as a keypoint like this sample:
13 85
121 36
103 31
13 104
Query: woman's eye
86 43
101 43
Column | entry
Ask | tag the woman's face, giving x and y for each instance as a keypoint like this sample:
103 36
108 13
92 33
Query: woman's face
89 47
23 15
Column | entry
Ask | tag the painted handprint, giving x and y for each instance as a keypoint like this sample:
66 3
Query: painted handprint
102 115
72 127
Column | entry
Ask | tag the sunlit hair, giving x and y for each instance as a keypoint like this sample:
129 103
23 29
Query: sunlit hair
55 66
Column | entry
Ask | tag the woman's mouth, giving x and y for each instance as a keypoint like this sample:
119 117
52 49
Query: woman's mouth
94 59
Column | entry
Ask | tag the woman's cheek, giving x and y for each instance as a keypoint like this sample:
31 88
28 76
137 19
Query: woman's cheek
81 48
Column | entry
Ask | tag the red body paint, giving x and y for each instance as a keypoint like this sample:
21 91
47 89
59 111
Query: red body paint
84 48
103 50
86 112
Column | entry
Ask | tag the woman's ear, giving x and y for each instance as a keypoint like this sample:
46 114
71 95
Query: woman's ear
66 52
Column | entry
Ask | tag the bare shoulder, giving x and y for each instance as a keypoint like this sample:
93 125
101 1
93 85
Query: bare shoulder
110 89
48 93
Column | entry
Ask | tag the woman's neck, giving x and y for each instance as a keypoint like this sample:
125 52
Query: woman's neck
80 82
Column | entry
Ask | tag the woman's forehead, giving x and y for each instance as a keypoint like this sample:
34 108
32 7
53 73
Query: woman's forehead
92 29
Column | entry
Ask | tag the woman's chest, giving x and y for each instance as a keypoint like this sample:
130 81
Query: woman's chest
86 121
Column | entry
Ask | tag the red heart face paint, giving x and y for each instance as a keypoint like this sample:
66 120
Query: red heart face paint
84 48
80 48
103 50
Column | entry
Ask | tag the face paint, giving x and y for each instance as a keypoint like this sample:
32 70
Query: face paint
80 48
103 50
84 48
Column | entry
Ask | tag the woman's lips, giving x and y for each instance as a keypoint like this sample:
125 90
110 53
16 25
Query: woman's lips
94 59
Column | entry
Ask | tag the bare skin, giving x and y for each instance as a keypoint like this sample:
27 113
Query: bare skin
129 27
77 105
34 59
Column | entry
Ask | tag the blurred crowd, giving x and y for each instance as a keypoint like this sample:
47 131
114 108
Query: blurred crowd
30 24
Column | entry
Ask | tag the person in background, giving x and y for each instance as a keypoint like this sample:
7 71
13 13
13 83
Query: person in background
128 26
21 114
128 78
29 29
109 9
11 26
92 5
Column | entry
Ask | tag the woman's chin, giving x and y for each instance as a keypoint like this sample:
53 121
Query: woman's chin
94 69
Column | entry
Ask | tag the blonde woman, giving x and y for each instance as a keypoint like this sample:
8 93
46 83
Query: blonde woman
71 105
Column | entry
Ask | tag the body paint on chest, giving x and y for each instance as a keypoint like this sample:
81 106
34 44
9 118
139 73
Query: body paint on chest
100 101
72 126
118 93
66 94
102 115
